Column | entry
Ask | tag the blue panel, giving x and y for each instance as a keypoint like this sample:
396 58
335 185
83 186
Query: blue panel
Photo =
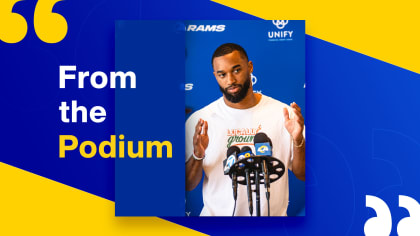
154 111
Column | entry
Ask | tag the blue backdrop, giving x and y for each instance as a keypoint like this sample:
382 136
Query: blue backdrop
279 72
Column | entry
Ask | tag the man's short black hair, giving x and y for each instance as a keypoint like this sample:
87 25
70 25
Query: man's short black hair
228 48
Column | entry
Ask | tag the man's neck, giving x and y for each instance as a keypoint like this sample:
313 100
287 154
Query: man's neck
249 101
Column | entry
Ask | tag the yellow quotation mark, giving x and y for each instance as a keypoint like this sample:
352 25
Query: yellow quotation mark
49 27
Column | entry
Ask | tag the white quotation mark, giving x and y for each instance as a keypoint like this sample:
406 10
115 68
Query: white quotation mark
409 225
381 225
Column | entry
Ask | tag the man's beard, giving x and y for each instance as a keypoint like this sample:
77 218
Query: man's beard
239 96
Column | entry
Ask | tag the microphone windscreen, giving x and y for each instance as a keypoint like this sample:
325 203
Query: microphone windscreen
231 155
262 138
262 145
231 150
246 149
246 152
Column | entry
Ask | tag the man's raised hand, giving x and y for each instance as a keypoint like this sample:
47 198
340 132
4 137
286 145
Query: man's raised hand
294 125
201 139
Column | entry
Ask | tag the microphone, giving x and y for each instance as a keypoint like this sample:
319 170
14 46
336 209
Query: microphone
263 146
231 154
228 163
246 152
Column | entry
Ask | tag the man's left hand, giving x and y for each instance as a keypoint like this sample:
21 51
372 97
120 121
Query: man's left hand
294 124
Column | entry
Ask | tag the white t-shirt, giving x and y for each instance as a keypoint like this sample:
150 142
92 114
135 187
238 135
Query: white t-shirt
228 126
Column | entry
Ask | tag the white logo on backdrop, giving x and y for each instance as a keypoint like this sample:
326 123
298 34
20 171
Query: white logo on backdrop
281 34
206 28
280 24
189 86
253 79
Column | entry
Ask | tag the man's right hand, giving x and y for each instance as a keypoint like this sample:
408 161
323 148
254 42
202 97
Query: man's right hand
201 139
194 168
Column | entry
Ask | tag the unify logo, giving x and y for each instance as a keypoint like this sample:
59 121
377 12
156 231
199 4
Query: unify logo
206 28
280 24
282 35
244 136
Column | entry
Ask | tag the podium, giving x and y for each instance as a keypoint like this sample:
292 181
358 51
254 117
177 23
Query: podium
257 169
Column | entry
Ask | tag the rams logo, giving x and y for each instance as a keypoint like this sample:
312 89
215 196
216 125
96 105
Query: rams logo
263 149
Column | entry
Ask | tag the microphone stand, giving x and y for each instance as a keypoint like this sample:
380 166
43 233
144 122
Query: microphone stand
257 165
257 192
266 183
249 189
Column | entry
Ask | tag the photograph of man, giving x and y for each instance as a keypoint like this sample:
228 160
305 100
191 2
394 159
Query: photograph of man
234 119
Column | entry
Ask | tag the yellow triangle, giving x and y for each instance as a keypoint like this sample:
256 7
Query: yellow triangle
34 205
386 30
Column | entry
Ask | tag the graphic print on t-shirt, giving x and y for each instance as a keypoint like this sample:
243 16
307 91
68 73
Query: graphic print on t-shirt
242 136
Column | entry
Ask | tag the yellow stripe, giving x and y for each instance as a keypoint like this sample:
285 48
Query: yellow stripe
386 30
33 205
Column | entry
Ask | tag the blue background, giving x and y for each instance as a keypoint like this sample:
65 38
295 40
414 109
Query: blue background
151 112
361 118
278 66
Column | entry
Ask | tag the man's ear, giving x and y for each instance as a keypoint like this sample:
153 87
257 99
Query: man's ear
250 67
